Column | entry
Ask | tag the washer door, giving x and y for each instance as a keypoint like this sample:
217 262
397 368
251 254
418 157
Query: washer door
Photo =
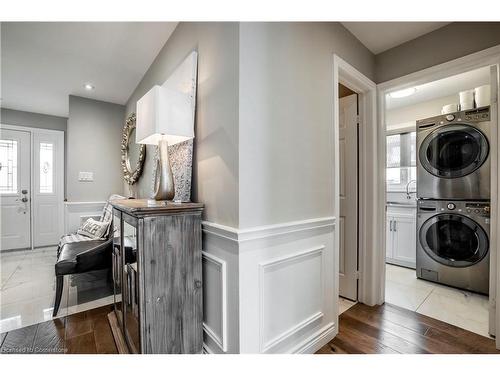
453 151
454 240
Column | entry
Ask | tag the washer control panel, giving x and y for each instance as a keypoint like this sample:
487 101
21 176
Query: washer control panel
473 208
482 209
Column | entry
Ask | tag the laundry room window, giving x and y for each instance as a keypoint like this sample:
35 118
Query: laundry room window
401 161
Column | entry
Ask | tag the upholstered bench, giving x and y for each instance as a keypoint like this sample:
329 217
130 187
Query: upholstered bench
78 253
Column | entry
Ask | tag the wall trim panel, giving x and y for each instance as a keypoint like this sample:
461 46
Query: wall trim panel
267 266
256 233
221 338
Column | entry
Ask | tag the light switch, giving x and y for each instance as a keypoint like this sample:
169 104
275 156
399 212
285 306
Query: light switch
86 176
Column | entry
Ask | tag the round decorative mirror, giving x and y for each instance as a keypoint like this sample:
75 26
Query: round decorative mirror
133 154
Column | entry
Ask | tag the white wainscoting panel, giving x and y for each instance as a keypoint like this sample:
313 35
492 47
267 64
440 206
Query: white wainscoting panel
291 292
75 213
279 284
215 299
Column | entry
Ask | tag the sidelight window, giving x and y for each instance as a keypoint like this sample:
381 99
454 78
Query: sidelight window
46 168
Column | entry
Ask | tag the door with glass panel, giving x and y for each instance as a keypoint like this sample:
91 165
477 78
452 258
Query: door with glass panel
15 189
48 187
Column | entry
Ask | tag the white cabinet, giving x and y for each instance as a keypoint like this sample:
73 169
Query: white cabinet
401 236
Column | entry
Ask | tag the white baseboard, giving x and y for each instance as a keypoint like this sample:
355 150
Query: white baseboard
312 344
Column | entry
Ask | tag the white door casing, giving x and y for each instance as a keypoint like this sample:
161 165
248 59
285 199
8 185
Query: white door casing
348 219
15 214
48 188
371 186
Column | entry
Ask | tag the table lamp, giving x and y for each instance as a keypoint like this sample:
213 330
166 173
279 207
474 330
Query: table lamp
164 117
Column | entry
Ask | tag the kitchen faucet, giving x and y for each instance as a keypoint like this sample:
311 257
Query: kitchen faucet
408 194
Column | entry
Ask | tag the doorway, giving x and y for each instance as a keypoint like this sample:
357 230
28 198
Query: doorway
31 187
348 219
437 162
367 237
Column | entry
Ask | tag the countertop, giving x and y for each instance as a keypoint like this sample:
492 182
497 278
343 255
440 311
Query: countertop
401 204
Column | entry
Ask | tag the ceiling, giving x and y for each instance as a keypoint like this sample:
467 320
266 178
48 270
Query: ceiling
381 36
442 88
44 62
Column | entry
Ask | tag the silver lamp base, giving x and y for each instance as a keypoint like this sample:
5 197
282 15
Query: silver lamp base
164 182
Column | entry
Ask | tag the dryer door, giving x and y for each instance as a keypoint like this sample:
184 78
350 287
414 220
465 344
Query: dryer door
454 240
453 151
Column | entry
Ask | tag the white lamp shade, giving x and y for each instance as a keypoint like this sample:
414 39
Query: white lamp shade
164 113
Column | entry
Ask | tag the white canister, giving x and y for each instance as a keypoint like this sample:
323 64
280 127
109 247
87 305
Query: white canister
449 108
466 100
482 96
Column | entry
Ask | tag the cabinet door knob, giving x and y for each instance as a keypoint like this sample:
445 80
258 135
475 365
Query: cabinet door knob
197 284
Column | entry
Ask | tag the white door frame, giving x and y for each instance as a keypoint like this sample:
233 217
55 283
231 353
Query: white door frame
32 131
371 197
487 57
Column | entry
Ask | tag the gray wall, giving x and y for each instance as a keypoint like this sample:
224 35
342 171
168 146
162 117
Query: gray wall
215 164
93 145
447 43
32 120
286 118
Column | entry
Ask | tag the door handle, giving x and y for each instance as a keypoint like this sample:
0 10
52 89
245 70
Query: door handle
390 226
395 226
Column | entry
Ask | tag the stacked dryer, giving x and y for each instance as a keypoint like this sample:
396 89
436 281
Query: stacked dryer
453 190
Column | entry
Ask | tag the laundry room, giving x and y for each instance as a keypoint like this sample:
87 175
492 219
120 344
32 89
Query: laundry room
438 193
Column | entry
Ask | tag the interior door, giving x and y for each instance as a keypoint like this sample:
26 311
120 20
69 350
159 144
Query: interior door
348 221
15 189
48 186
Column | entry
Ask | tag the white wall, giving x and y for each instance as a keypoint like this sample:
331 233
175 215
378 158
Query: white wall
94 145
286 118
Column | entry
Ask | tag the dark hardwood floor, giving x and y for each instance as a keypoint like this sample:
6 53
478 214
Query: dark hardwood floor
391 329
82 333
362 329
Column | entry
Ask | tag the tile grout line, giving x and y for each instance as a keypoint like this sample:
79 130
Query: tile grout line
425 299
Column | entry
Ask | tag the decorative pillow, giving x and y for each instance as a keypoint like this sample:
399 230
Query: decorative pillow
107 211
94 229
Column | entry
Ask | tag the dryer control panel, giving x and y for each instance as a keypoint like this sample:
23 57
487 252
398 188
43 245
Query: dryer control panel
479 114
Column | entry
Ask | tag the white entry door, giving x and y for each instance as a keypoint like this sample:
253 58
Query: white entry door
15 189
48 187
348 221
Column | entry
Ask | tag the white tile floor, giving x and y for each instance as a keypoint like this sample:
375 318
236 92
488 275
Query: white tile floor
454 306
28 289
